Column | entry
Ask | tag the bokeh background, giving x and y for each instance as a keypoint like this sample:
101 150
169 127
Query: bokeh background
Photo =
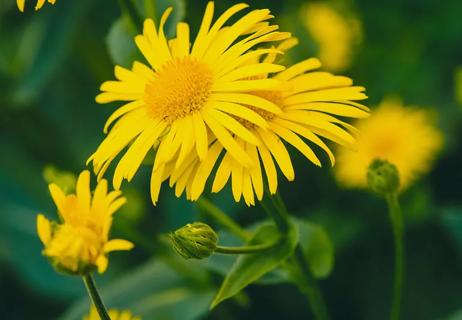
51 65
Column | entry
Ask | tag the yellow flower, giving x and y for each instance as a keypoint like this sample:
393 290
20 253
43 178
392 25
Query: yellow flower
186 94
405 137
38 6
113 314
335 34
311 109
79 242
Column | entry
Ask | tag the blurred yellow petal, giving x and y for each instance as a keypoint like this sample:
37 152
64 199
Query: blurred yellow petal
118 245
43 229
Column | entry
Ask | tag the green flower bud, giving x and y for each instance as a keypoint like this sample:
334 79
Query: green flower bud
383 177
194 241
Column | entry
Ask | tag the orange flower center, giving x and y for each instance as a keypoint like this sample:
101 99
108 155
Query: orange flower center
179 89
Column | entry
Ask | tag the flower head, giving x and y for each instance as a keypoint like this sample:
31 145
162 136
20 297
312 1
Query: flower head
185 95
383 177
39 5
335 34
113 314
311 110
405 137
80 241
194 241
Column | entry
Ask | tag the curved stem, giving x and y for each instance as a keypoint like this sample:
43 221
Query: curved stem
245 249
276 209
309 287
219 216
396 219
95 297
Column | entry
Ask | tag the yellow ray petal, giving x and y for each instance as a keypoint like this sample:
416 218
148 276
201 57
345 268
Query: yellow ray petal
118 245
43 229
204 170
279 152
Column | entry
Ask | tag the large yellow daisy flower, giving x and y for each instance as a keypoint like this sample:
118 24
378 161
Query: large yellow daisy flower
80 242
186 94
404 136
39 5
113 314
311 109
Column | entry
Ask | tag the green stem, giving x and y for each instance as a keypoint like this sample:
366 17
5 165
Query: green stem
95 297
150 9
396 219
276 209
128 7
245 249
220 217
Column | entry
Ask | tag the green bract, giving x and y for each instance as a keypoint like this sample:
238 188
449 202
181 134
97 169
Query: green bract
383 177
194 241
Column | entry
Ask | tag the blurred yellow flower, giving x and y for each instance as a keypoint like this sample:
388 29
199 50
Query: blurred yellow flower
38 6
335 34
311 110
186 94
79 242
113 314
404 136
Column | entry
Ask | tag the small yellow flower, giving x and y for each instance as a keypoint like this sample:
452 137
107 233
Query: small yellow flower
335 34
311 110
38 6
403 136
113 314
187 94
79 242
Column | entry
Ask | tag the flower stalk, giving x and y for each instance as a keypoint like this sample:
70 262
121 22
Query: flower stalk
95 297
276 209
245 249
396 219
384 179
215 213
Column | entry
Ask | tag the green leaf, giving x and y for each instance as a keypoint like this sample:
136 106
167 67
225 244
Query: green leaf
120 39
248 268
48 51
451 220
152 291
121 44
317 247
222 263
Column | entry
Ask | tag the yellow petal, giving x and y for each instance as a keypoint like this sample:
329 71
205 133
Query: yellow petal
270 169
59 197
279 152
102 263
237 172
118 245
43 229
223 173
299 68
204 170
227 140
83 189
295 141
21 4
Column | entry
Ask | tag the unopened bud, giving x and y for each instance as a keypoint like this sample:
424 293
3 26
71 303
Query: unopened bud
194 241
383 177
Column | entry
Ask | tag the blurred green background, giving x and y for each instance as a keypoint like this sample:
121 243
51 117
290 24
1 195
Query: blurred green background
51 65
